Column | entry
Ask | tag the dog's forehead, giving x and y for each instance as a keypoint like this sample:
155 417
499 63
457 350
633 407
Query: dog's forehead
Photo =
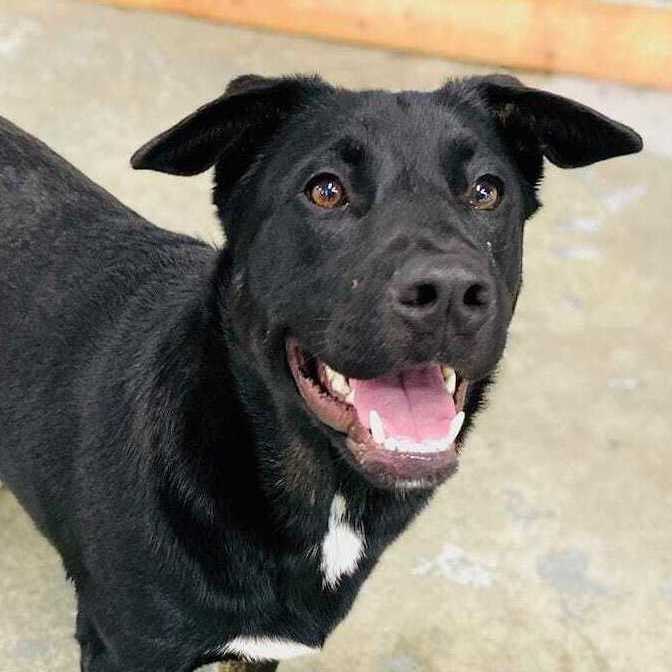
407 122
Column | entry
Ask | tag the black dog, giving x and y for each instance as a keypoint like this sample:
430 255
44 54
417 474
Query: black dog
221 444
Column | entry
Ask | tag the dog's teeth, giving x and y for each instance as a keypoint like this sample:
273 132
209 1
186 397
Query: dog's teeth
450 379
340 384
350 397
337 381
451 384
455 427
376 426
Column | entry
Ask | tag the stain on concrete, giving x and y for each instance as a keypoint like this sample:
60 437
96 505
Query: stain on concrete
13 36
628 384
666 590
568 572
577 252
522 510
621 199
454 564
582 224
574 303
403 663
28 649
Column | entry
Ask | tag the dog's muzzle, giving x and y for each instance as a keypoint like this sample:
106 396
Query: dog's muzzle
400 429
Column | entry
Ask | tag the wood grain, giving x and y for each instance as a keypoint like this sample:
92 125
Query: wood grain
627 43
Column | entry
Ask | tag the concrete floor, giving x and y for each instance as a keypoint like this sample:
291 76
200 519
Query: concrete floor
551 550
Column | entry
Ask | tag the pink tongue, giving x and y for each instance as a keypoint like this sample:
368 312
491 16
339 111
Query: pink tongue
413 404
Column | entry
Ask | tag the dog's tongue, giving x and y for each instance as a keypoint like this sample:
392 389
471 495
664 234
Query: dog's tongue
413 404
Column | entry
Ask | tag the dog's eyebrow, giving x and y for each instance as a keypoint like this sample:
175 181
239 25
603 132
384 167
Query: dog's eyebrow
457 150
454 154
350 150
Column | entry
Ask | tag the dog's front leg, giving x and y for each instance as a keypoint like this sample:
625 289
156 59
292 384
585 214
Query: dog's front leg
240 666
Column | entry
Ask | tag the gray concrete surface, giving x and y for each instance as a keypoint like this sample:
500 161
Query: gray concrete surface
551 549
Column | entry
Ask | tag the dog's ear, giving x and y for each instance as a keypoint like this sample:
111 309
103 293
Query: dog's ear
537 122
234 124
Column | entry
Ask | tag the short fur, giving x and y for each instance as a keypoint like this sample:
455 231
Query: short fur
149 423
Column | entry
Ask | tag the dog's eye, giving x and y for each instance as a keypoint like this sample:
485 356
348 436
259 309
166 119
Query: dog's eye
486 193
326 191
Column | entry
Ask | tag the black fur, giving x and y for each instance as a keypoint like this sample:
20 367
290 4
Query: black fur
149 423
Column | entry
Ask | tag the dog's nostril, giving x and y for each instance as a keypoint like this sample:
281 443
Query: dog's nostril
418 296
425 295
476 296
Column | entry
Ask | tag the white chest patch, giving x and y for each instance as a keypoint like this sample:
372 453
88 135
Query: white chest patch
266 648
342 547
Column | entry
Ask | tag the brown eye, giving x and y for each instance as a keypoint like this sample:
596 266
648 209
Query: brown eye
327 191
486 193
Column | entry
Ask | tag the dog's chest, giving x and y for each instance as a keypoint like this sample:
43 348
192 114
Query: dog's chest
338 556
342 547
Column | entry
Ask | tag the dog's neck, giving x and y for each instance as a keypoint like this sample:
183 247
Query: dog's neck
245 466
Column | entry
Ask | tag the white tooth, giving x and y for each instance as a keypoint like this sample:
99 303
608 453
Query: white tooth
377 429
337 381
390 443
451 383
350 397
340 384
449 378
435 445
455 427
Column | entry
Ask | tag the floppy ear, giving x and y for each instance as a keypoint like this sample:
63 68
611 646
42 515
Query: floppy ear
230 127
567 133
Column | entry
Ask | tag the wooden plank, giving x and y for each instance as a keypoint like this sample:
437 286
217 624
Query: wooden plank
627 43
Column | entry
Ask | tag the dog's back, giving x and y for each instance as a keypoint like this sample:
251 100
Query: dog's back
78 271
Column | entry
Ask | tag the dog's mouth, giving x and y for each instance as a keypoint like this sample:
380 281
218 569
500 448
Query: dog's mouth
400 429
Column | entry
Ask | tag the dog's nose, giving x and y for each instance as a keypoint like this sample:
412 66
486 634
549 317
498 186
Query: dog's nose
431 296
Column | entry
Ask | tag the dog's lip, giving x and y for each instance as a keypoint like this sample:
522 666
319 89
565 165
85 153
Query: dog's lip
381 466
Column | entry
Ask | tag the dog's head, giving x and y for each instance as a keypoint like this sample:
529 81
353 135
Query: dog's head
376 246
